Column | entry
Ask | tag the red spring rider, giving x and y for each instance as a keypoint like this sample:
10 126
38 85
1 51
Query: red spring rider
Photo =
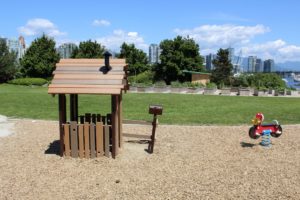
257 129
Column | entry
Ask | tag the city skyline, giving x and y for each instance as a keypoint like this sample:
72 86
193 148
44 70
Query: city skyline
268 33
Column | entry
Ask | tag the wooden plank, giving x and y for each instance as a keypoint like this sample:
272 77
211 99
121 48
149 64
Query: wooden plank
89 60
81 141
83 91
67 139
62 120
87 117
99 139
87 139
136 136
99 119
87 76
83 86
152 142
106 140
92 140
88 81
138 122
73 107
75 71
94 118
74 139
94 69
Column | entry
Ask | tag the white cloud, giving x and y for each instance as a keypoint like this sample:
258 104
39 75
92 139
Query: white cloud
213 37
101 22
278 50
216 36
38 26
115 40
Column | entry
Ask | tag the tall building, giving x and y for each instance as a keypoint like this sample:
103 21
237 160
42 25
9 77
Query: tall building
209 59
269 65
154 53
251 63
259 65
65 50
16 45
231 54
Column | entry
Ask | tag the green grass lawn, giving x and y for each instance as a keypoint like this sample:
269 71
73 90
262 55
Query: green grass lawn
35 103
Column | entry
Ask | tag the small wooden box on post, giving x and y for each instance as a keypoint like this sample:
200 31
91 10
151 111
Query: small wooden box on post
90 135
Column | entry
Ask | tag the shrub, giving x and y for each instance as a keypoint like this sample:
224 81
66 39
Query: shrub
29 81
144 77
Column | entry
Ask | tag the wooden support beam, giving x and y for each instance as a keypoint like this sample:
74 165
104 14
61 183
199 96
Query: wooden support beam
62 120
74 139
115 123
120 115
73 107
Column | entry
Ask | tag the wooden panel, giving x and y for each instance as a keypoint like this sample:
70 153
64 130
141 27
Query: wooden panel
80 138
94 69
106 140
115 127
84 91
88 82
92 140
74 139
84 86
67 139
75 71
88 60
87 139
87 76
99 139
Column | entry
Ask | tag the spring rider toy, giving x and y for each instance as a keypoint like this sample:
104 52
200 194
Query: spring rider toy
258 129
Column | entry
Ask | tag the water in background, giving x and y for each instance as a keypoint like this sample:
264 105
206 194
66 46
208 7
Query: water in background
289 80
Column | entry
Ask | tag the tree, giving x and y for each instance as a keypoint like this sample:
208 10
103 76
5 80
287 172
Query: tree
222 73
89 49
135 58
40 58
177 55
7 62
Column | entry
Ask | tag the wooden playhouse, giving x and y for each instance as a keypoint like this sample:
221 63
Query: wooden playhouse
90 135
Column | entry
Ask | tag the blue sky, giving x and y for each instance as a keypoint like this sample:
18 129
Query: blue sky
266 28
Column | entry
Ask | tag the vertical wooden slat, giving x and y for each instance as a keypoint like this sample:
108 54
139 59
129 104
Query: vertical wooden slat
99 118
104 120
62 120
88 117
108 119
67 139
86 140
99 138
92 140
106 138
74 139
81 119
81 141
94 118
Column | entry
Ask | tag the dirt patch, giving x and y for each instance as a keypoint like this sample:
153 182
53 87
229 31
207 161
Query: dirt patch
189 162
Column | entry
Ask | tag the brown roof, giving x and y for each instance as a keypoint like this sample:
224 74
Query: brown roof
88 76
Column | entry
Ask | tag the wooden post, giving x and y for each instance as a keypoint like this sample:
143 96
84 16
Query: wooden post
114 124
62 120
152 141
120 122
74 107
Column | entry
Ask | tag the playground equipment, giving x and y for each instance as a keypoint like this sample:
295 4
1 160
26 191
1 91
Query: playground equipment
92 135
259 128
